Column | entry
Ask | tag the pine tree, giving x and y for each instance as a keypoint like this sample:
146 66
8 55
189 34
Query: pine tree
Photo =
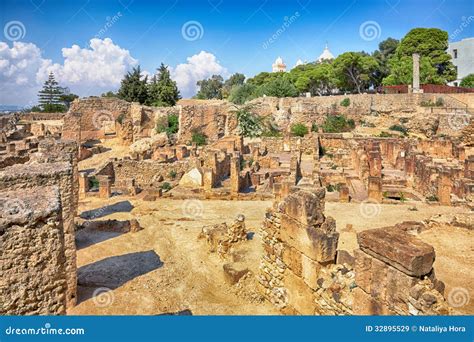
50 95
133 88
163 91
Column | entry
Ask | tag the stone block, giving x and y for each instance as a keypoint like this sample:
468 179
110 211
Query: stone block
313 242
299 295
310 271
399 249
293 259
306 207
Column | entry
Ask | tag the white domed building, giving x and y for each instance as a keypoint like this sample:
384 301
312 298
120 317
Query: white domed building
279 65
326 55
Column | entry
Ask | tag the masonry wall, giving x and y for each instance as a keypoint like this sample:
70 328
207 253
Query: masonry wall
33 258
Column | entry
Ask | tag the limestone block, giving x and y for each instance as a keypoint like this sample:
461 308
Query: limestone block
299 295
293 259
193 178
310 271
396 247
305 206
313 242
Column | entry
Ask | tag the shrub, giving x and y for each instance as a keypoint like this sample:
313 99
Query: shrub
346 102
172 174
402 196
120 118
439 102
332 188
399 128
299 130
168 125
199 138
337 124
166 186
93 183
249 123
314 127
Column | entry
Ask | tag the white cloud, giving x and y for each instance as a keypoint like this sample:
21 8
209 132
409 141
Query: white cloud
198 67
87 71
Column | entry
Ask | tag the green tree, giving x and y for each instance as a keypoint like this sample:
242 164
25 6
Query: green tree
383 55
109 94
233 81
240 94
163 91
67 97
279 87
210 88
50 96
402 72
133 87
318 79
468 81
431 43
354 71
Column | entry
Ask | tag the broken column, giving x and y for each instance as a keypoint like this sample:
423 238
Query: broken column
416 73
104 186
235 174
445 185
83 184
375 171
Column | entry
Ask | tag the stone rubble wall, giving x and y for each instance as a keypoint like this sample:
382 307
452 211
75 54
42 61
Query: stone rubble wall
32 253
54 165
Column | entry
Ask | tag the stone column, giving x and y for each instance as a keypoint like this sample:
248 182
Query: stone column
343 193
416 73
444 188
104 186
208 178
235 175
83 184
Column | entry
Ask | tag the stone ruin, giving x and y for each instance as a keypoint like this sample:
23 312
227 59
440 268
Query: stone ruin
303 272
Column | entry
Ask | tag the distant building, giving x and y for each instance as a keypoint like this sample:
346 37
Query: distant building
279 66
326 55
462 54
299 62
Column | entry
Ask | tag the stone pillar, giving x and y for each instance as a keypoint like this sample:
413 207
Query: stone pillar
235 175
375 188
444 188
104 186
83 184
208 178
11 148
294 168
343 193
416 73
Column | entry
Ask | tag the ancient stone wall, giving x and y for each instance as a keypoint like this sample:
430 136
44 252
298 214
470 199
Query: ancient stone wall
33 252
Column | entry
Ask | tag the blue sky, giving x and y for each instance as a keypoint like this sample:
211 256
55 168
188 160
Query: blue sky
234 32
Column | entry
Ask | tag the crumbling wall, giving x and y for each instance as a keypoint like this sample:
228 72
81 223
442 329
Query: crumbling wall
33 252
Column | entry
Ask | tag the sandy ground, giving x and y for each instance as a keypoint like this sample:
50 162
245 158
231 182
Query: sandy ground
165 268
116 151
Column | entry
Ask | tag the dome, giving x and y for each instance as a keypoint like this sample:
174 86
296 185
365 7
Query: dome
299 62
279 65
326 55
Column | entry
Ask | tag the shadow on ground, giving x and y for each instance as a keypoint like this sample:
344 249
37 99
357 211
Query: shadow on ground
115 271
119 207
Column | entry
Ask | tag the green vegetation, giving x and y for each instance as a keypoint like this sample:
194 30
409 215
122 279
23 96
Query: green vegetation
337 124
168 125
172 174
332 188
468 81
199 138
93 183
161 91
249 123
438 103
346 102
166 186
402 196
314 127
299 130
384 134
53 98
399 128
120 118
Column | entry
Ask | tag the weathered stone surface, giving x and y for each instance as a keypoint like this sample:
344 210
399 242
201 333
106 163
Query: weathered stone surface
193 178
305 207
399 249
234 271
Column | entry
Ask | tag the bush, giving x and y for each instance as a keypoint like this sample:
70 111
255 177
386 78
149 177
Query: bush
249 123
314 127
172 174
199 138
332 188
337 124
432 198
399 128
346 102
168 125
166 186
299 130
120 118
93 183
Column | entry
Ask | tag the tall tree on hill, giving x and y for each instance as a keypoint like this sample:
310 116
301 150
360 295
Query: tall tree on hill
163 91
386 51
133 87
50 95
354 71
235 80
210 88
431 44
